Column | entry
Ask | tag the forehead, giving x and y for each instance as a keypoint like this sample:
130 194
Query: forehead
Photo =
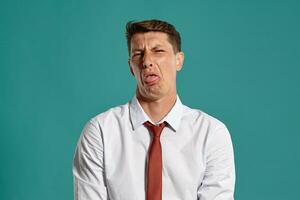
151 38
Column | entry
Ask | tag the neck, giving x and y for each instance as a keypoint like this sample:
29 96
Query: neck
158 109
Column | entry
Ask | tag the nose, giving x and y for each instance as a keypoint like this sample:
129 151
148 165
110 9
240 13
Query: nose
147 60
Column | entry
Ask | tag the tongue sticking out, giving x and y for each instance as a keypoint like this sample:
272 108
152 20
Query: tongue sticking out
151 79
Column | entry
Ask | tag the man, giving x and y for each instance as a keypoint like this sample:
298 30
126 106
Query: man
154 147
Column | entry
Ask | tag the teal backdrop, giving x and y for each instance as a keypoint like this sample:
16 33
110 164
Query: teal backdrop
62 62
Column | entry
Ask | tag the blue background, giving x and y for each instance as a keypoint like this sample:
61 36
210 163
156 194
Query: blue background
63 62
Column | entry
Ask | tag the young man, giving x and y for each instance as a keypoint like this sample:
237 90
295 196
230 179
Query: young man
154 147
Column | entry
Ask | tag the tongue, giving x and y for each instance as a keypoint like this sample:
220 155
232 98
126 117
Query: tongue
151 78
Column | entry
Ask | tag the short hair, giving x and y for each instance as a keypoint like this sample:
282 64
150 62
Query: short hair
133 27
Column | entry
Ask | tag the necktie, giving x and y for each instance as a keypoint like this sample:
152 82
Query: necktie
154 173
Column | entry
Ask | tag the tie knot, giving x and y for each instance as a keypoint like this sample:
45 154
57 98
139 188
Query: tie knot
155 130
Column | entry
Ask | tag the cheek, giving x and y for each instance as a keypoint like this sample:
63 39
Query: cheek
170 70
137 74
135 69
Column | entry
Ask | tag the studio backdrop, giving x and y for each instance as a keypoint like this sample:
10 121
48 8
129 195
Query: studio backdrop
63 62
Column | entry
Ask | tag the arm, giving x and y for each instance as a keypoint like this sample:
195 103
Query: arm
88 165
219 178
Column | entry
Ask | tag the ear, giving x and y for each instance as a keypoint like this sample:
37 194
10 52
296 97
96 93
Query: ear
179 60
131 70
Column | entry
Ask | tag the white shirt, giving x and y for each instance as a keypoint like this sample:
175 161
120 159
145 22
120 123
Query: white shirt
111 156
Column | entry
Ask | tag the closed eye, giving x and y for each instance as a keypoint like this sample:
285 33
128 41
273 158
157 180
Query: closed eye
137 54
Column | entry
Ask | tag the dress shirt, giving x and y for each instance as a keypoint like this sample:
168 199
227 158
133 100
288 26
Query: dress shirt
111 156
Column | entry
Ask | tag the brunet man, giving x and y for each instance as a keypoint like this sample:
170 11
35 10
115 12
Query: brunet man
154 147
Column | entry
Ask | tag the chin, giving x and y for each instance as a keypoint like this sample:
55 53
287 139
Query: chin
154 96
148 96
152 93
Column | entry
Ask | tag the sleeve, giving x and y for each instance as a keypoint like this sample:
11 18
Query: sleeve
88 165
219 178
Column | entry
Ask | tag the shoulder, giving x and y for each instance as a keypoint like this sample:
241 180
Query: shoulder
199 117
92 133
113 114
214 132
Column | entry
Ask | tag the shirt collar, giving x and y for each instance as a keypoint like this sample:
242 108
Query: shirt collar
138 115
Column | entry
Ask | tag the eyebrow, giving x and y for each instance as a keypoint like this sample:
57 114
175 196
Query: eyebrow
137 49
141 49
157 46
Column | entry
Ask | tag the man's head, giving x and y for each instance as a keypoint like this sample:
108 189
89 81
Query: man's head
153 25
154 58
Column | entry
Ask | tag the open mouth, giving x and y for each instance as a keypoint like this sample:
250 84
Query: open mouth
151 79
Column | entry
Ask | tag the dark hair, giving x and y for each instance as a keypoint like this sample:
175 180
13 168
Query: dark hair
153 25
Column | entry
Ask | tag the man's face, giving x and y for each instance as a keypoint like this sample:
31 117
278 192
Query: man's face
154 64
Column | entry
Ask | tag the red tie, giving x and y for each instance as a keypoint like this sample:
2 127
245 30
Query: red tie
154 176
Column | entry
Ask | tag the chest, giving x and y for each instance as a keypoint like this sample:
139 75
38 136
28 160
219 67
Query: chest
125 157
